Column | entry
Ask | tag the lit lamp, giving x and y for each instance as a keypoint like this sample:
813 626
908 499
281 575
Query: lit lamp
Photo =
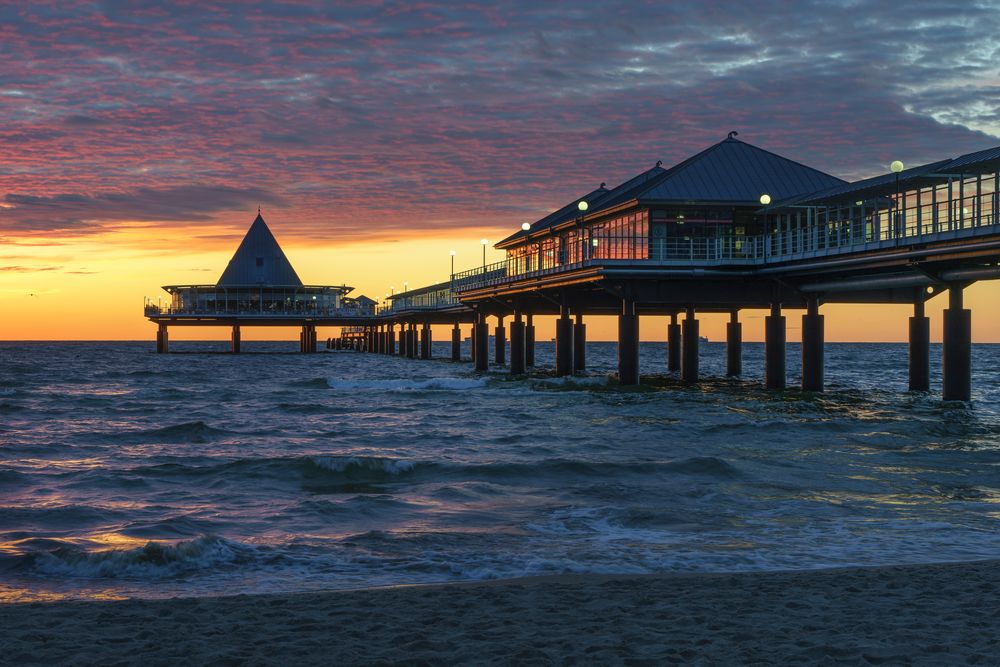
526 226
485 243
895 167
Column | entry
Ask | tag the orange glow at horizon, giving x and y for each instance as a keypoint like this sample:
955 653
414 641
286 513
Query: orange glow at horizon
92 287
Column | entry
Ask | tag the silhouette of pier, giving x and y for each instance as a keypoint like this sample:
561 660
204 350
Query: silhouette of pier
732 228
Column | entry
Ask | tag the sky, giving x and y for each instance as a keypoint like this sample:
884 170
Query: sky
138 139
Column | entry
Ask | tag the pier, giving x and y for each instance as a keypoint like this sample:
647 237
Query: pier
732 228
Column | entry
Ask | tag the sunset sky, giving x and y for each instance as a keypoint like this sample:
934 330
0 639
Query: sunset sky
138 141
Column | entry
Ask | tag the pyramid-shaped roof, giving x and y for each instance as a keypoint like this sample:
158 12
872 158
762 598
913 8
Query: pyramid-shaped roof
259 260
735 171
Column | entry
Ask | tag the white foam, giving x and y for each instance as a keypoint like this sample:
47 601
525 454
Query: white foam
336 464
403 384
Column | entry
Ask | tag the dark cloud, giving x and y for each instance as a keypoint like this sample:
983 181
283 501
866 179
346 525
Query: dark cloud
28 269
373 119
82 213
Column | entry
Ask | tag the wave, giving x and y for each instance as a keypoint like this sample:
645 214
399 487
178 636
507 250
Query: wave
196 432
366 474
403 384
155 560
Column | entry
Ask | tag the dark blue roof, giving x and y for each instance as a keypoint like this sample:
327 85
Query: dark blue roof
978 162
259 261
730 171
735 171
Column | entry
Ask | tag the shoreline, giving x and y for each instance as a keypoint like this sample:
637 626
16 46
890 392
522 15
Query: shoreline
919 614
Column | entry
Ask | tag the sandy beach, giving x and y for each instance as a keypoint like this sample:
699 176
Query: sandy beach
930 614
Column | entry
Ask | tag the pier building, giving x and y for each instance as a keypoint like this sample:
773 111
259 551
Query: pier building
259 287
732 228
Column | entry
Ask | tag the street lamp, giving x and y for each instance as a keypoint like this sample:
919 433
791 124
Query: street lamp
765 199
484 242
452 253
582 206
525 226
895 167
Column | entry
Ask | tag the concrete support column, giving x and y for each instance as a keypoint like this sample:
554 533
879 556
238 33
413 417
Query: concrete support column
482 343
517 362
302 338
564 344
412 352
474 340
579 345
529 342
734 345
673 344
456 342
390 339
774 348
956 365
312 338
425 341
920 346
812 347
235 340
500 342
689 344
162 339
628 344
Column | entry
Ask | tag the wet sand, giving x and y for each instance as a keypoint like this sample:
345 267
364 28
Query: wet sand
930 615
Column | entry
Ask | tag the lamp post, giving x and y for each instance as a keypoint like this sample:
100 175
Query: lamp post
896 166
765 200
484 242
582 207
452 253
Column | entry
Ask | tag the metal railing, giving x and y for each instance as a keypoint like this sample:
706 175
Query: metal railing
238 310
432 301
880 231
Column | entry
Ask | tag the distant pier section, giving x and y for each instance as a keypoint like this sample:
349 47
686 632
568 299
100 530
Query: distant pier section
259 287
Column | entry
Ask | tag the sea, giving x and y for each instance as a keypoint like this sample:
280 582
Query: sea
124 473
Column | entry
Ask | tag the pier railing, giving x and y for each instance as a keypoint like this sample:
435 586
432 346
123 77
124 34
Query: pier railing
431 301
878 231
249 310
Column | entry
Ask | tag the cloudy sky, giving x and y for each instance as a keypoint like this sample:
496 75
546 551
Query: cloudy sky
398 121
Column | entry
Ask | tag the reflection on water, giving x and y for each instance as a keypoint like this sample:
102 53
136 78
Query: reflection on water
125 473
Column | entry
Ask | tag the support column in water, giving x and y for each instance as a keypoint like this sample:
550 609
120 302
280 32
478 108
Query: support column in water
234 340
390 338
564 343
628 344
517 362
302 338
579 344
425 341
920 346
162 340
529 342
956 365
413 352
689 345
312 337
403 349
774 348
474 339
673 344
482 343
734 345
500 342
812 347
456 342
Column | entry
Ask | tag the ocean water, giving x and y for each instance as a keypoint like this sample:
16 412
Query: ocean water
129 474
